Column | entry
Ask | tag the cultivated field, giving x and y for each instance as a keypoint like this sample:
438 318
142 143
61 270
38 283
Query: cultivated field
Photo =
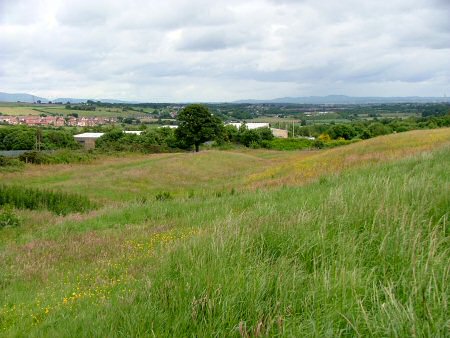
37 109
346 241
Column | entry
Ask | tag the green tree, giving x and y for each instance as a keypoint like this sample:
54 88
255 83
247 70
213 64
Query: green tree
377 129
345 131
20 139
196 126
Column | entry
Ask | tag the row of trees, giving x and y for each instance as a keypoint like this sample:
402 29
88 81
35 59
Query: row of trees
197 125
372 128
27 138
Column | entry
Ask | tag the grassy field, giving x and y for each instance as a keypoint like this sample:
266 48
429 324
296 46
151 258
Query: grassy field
18 110
37 109
351 241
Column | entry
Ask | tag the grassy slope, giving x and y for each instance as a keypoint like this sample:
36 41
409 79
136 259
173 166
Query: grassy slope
364 252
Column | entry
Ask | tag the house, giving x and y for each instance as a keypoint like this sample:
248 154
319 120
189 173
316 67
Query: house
9 119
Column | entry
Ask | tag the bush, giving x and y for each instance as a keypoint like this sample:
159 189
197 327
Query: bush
289 144
346 131
151 141
338 143
9 162
34 157
66 156
8 218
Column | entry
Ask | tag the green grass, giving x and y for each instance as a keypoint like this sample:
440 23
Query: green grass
290 144
361 251
34 199
16 109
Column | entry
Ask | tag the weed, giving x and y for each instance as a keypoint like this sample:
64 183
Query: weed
163 196
31 198
8 218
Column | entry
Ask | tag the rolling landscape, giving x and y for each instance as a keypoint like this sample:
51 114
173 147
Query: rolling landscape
267 168
345 241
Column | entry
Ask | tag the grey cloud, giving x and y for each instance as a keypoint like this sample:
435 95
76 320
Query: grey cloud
147 49
84 14
209 40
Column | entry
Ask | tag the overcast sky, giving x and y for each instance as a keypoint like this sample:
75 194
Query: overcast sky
202 50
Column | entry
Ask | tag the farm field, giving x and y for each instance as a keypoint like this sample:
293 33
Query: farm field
346 241
20 109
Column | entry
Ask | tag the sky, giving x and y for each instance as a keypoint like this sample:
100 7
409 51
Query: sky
224 50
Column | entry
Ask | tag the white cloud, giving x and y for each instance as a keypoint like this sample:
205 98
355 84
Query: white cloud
200 50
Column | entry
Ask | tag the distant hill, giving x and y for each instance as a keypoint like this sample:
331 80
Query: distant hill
73 100
29 98
69 99
343 99
330 99
22 97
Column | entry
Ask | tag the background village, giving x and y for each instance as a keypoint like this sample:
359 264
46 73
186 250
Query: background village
57 121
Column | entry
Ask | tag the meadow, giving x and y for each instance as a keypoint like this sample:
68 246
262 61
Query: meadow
16 109
349 241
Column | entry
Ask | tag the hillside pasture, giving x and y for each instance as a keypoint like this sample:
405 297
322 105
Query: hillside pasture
348 241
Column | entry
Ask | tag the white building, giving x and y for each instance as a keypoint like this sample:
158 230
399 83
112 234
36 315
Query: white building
87 140
251 125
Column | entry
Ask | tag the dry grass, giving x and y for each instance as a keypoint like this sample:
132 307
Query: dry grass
110 179
207 245
309 166
19 111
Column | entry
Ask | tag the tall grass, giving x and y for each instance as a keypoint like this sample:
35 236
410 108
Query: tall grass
364 253
31 198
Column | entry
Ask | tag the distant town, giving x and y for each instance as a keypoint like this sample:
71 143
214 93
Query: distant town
57 121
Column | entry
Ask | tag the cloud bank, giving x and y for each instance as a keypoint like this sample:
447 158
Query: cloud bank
199 50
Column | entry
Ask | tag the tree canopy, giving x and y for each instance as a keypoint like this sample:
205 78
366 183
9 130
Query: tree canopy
197 125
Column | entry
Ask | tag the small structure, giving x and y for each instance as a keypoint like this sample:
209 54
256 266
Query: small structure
280 133
251 125
87 140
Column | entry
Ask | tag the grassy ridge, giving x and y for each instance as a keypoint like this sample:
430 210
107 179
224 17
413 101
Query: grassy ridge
362 253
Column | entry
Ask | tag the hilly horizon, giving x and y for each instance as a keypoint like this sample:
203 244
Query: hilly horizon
344 99
30 98
327 99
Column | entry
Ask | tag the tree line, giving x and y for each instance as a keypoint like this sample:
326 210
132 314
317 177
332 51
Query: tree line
28 138
364 129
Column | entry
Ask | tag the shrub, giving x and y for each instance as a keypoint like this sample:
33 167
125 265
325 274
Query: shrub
34 157
9 162
8 218
289 144
345 131
70 156
324 137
